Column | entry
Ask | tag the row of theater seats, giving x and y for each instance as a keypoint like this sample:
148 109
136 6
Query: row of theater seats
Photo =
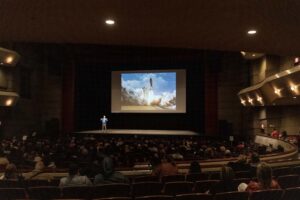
216 175
288 194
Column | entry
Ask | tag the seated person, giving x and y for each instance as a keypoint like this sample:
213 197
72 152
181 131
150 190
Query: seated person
226 182
10 173
74 178
265 180
108 174
166 168
194 168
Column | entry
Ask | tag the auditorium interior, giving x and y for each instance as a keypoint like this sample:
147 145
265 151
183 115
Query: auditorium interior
201 100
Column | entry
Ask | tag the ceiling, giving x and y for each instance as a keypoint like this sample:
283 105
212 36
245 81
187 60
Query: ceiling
196 24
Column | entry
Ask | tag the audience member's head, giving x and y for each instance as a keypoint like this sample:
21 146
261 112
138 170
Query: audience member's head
108 166
195 168
255 158
73 169
10 172
264 175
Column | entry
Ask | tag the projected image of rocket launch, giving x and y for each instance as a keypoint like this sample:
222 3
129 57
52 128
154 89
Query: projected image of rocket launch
148 91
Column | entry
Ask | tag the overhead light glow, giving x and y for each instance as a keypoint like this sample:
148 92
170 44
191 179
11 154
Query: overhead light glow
9 59
8 102
243 102
294 88
277 91
277 76
243 53
250 100
252 32
110 22
295 97
259 99
288 71
253 55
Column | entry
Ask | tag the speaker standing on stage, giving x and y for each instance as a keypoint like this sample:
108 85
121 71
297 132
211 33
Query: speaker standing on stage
104 121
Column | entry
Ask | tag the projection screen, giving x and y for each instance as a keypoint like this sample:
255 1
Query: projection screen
148 91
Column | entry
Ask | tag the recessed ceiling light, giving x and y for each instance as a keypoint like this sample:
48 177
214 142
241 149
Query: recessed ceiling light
295 97
110 22
252 32
8 102
9 59
253 55
243 53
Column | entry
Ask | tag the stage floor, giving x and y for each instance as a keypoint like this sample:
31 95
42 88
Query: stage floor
139 132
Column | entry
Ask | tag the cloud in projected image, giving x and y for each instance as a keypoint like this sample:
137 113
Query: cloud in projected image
157 90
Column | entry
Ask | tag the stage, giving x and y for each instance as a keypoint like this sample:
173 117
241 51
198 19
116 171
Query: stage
139 132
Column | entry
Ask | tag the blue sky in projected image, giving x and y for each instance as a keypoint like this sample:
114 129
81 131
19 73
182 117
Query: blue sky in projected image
162 82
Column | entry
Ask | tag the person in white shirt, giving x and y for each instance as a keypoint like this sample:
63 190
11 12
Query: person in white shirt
74 178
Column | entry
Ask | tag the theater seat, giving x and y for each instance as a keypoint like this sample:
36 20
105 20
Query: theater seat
232 196
146 188
46 192
291 194
266 195
242 174
11 184
110 190
288 181
115 198
155 197
194 196
204 186
145 179
179 187
196 177
79 192
173 178
281 171
215 176
296 170
12 193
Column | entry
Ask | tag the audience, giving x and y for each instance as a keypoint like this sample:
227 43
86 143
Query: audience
108 173
74 178
265 180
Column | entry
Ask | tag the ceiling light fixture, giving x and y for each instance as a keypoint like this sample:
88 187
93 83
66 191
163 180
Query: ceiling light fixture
243 53
288 71
277 76
277 91
110 22
252 32
8 102
294 88
9 59
243 102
